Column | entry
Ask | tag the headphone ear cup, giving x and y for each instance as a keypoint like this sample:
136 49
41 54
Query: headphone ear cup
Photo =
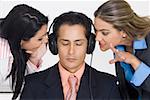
91 43
53 44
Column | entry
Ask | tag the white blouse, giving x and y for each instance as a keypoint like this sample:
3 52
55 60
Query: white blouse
6 60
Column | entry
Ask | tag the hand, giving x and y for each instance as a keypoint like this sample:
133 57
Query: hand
36 56
126 57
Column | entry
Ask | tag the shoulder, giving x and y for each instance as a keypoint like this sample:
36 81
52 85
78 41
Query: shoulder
5 49
148 39
40 76
3 41
102 76
104 81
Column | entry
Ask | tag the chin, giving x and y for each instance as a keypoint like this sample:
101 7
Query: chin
103 49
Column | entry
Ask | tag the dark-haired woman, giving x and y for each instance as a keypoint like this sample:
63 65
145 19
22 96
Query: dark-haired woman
23 39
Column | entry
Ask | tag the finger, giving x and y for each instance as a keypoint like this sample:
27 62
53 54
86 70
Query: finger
112 61
43 47
29 52
123 58
120 55
113 48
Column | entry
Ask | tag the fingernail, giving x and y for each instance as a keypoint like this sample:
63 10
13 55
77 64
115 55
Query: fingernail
117 50
123 58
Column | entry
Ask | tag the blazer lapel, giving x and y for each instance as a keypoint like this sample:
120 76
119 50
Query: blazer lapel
144 54
53 84
83 92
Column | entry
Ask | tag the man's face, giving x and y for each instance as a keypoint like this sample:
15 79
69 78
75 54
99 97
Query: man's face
72 46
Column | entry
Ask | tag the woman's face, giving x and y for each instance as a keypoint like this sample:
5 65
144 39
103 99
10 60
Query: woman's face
36 41
106 34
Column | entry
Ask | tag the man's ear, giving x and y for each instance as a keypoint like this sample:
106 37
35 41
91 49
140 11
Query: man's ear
29 52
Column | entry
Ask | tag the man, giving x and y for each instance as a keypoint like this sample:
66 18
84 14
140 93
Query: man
71 40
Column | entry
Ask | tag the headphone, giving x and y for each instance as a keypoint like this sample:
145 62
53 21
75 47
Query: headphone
53 37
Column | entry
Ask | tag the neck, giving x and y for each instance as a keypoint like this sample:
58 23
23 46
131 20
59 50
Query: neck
72 70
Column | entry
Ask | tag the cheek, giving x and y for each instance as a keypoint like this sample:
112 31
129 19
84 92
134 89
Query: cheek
62 51
82 55
81 52
34 45
114 39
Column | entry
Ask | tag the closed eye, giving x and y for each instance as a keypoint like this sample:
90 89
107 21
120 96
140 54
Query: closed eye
65 43
105 33
79 43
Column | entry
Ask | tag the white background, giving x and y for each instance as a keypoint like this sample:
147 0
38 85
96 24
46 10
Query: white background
55 8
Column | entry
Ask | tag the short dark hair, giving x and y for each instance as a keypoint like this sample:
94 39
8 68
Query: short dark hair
72 18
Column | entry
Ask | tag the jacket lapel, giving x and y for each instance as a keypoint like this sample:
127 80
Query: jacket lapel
144 54
83 92
53 84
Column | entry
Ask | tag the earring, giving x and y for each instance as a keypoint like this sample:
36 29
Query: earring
124 36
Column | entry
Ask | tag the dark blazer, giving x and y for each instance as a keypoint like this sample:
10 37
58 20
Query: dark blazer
1 20
46 85
129 92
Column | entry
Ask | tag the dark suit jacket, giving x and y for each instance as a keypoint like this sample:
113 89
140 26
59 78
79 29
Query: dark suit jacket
46 85
129 92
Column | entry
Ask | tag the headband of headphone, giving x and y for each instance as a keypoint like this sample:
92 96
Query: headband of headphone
71 18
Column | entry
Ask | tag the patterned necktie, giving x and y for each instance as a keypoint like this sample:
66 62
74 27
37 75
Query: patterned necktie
72 92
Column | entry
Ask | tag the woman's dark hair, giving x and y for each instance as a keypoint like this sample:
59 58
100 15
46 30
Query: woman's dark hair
21 23
122 17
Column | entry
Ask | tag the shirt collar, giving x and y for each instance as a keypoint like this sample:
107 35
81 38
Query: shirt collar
65 74
139 44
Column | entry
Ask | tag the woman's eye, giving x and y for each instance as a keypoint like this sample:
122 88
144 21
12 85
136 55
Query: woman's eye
40 39
105 33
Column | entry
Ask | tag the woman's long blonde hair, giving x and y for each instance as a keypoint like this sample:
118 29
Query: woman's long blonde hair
122 17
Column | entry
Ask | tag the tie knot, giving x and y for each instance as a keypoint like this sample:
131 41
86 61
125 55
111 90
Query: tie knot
73 81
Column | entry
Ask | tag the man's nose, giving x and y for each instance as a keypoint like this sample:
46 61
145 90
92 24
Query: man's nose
71 49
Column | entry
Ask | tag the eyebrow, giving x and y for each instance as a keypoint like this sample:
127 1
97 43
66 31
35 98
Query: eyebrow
45 33
79 40
102 30
42 35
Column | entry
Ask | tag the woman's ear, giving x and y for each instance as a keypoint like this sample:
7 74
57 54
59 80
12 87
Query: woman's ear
123 34
125 39
22 43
